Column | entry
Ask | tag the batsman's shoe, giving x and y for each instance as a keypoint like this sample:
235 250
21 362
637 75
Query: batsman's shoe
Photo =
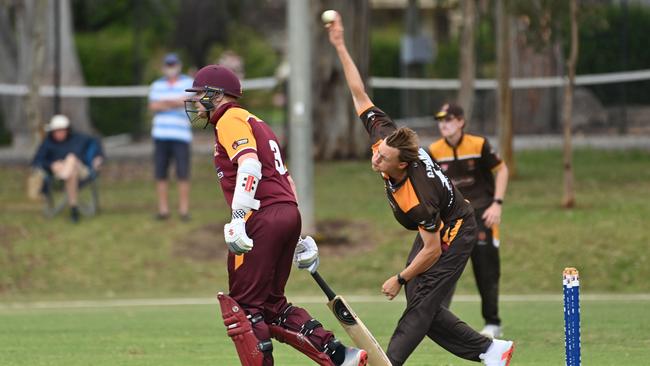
355 357
492 331
498 354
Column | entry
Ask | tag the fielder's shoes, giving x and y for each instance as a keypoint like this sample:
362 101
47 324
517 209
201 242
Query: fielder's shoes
75 215
355 357
498 354
492 331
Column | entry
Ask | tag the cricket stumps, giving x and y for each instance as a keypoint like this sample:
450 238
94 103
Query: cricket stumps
571 285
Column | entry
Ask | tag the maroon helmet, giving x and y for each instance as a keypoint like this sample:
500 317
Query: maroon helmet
217 77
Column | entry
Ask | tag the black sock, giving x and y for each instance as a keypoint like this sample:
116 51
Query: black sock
336 351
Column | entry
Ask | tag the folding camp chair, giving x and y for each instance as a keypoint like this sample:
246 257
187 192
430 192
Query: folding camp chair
56 198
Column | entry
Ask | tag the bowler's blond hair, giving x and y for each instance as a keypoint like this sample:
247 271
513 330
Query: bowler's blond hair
406 141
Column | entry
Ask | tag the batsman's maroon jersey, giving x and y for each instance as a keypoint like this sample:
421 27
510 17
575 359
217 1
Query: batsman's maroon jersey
237 132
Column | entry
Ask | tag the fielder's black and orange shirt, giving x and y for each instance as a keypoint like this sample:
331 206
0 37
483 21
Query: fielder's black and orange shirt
426 198
469 164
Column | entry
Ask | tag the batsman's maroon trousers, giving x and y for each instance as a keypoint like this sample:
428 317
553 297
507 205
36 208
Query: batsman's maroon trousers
257 283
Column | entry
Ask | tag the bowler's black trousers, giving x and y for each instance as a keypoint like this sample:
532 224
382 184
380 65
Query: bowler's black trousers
487 270
424 314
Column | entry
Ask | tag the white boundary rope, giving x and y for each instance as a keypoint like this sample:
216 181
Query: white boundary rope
375 82
515 83
117 91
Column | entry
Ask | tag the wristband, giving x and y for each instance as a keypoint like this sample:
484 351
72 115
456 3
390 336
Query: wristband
401 280
498 201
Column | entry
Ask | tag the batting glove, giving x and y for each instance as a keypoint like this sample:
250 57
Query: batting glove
306 254
235 234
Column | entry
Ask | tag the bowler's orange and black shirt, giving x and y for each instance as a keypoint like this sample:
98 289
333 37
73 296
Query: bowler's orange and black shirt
426 198
469 164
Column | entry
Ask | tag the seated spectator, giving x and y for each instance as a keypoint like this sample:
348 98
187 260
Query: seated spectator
63 154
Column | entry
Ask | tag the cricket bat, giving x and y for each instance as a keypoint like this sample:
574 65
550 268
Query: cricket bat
351 323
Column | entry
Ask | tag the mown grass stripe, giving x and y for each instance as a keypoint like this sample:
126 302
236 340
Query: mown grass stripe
298 300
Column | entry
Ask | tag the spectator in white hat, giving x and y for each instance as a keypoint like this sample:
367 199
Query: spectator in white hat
69 156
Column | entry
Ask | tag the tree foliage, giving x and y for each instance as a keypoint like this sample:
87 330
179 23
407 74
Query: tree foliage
614 40
121 42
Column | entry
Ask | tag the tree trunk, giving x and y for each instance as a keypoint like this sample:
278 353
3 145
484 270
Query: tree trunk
504 104
338 133
413 103
19 64
536 110
71 73
568 199
199 18
467 59
33 102
15 54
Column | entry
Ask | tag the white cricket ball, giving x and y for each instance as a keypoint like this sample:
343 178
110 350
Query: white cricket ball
328 16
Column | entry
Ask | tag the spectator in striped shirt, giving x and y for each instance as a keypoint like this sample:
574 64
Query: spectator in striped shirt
172 134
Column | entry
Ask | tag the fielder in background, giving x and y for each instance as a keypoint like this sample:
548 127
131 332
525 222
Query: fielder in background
264 233
482 177
424 200
172 135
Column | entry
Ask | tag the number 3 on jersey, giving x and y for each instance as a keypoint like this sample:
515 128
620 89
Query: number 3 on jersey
279 164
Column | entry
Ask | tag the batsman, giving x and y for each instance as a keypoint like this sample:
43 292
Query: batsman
422 199
264 233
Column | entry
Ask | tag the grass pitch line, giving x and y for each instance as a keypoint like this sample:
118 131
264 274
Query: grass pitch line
82 304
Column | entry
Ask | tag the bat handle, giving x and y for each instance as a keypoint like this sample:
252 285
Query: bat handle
323 285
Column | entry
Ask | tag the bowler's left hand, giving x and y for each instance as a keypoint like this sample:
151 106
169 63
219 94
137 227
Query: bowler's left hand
391 288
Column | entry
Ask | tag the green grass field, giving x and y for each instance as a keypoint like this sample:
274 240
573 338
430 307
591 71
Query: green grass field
613 333
124 253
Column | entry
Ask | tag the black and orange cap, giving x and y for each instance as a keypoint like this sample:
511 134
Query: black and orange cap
449 109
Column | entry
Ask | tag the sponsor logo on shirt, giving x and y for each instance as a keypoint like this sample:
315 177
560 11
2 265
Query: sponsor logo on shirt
219 171
433 169
238 143
464 181
471 164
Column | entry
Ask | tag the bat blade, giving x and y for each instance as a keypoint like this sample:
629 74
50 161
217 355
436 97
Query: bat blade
358 331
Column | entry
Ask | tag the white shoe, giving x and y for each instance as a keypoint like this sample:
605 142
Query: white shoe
355 357
491 331
498 354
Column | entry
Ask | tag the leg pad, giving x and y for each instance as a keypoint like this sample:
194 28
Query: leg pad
301 343
240 330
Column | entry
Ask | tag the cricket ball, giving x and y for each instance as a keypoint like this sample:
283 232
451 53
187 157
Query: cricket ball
328 16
